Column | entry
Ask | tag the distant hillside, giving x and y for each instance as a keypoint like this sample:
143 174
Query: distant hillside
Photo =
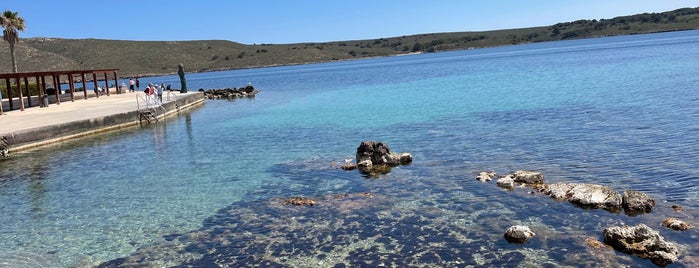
162 57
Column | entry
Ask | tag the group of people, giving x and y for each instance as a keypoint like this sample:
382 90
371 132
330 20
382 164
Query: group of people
151 90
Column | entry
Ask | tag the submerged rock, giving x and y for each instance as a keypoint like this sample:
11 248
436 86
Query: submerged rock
676 224
585 195
518 234
529 177
635 202
485 176
299 201
643 242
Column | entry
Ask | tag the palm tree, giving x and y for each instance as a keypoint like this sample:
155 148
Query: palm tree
12 23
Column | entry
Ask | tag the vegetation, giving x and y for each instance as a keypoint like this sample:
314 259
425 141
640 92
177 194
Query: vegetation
155 57
11 22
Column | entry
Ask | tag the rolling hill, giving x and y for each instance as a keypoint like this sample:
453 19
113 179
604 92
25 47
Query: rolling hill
161 57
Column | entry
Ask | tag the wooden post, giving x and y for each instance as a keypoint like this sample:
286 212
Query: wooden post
29 94
19 90
116 82
106 83
94 80
72 87
57 88
43 90
82 75
39 91
9 93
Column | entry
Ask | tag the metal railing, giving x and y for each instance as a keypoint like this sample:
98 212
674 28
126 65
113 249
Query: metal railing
148 106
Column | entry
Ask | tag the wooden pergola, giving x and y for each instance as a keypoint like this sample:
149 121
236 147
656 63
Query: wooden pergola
40 80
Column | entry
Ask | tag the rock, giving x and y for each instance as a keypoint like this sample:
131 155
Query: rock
376 158
635 203
518 234
677 208
558 191
676 224
485 176
595 196
373 151
299 201
506 182
642 241
230 93
585 195
529 177
365 165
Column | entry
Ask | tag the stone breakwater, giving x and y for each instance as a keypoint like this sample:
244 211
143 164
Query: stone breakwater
230 93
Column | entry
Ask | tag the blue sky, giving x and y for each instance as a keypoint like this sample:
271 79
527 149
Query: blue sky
297 21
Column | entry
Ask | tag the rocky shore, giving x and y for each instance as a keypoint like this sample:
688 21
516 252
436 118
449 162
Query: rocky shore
639 240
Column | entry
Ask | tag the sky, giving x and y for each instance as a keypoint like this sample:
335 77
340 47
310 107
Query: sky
302 21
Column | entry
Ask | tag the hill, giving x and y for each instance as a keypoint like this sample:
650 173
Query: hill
161 57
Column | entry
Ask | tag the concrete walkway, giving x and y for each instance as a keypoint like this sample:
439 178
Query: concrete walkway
37 126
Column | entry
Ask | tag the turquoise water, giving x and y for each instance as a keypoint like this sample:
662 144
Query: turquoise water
206 187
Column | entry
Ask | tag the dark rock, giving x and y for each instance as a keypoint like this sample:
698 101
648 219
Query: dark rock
518 234
230 93
635 203
676 224
643 242
376 157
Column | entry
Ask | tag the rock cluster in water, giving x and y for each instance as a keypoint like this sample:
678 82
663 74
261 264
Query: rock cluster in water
375 158
640 240
230 93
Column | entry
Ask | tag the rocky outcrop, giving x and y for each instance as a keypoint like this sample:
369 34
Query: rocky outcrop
376 157
518 234
585 195
643 242
676 224
230 93
635 203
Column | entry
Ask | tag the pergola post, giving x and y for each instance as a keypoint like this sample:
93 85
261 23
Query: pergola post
29 94
116 83
106 83
57 84
82 75
9 93
94 80
42 90
19 90
72 87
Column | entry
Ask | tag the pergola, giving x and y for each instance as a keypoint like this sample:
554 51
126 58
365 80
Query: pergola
40 80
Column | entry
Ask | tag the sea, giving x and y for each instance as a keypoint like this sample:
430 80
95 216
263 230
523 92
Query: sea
207 187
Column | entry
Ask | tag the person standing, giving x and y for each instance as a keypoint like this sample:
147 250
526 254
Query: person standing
160 92
131 85
138 84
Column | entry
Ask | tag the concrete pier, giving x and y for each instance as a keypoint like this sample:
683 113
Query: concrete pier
37 126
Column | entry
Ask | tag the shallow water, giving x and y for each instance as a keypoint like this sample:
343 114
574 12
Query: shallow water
206 187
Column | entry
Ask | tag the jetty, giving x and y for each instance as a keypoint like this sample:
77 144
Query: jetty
33 127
